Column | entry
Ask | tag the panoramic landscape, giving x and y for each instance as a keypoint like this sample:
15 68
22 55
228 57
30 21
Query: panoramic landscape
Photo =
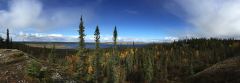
119 41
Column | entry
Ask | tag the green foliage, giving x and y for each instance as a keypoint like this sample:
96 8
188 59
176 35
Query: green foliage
115 34
129 65
97 37
1 39
113 64
1 42
148 68
52 56
7 37
97 64
33 69
111 72
83 68
84 59
81 36
7 41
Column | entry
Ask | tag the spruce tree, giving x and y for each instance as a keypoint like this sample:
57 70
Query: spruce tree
97 55
1 42
97 37
1 39
81 35
112 63
7 39
83 63
115 55
115 34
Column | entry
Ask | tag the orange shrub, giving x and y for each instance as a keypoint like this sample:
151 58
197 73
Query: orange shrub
72 61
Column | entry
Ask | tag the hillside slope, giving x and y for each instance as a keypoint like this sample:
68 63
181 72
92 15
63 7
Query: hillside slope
227 71
12 64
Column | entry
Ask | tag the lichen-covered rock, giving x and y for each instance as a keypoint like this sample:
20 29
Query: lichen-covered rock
14 69
8 56
12 63
57 78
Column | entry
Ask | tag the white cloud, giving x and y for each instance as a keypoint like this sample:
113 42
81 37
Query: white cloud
21 13
29 14
170 39
22 36
41 37
212 17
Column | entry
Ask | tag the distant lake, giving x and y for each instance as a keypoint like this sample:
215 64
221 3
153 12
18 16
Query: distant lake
74 45
92 45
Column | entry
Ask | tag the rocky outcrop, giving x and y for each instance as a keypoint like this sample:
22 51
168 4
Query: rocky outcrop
8 56
227 71
12 64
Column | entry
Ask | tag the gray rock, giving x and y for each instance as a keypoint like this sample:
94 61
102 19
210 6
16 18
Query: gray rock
56 76
70 81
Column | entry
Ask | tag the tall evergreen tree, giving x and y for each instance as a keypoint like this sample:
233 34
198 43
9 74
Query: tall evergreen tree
97 37
83 62
81 35
1 42
97 55
1 39
7 39
115 34
112 63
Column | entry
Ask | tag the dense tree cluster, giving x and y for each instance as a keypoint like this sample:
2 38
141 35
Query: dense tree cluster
87 61
158 62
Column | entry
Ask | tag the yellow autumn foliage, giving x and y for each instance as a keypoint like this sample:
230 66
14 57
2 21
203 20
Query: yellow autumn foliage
72 63
90 70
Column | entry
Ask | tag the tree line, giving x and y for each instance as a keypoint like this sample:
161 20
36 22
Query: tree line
7 42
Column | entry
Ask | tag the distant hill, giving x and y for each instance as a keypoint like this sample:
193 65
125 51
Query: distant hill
128 43
74 45
34 42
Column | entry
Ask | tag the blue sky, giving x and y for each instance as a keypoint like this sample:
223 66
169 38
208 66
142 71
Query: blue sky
136 20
